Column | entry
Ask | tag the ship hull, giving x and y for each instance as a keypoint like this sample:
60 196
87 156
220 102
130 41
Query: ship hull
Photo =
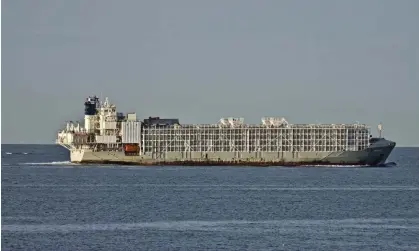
375 155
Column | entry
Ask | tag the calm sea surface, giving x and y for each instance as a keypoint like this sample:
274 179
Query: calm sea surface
49 204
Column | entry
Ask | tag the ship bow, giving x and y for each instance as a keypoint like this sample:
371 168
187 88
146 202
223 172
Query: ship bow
379 152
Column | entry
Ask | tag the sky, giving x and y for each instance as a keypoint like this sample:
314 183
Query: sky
323 61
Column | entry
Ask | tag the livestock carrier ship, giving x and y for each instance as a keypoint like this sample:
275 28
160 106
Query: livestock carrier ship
111 137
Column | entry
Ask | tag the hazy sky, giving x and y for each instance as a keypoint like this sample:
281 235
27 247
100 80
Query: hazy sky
310 61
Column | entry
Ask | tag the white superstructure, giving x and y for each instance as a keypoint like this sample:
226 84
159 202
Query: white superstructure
100 127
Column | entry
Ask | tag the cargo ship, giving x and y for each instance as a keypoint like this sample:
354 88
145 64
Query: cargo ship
111 137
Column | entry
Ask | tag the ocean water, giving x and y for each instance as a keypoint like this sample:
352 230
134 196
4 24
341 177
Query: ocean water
50 204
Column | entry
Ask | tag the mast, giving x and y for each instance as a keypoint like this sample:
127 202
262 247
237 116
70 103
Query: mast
380 129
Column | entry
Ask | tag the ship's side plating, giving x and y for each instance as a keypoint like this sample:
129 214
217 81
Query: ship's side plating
111 137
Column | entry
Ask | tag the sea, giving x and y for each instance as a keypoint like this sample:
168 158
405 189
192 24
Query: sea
50 204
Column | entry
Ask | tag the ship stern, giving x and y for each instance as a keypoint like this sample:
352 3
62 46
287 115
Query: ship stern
77 155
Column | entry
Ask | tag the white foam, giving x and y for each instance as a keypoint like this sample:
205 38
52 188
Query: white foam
53 163
230 187
26 218
9 153
334 165
284 225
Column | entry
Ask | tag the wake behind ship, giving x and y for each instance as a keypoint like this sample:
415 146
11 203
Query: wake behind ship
110 137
